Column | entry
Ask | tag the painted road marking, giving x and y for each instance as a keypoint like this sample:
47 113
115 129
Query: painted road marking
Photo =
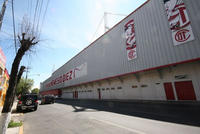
120 126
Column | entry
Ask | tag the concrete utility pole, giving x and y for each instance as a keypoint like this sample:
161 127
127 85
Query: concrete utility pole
27 71
2 12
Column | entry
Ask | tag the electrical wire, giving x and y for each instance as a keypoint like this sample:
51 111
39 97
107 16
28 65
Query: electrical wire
30 8
6 33
43 18
14 34
40 10
36 7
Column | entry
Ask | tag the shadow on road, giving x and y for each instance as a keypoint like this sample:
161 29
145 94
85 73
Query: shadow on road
83 109
78 109
14 111
169 112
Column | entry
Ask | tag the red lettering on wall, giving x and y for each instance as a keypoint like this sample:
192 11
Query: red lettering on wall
70 74
61 79
67 76
182 35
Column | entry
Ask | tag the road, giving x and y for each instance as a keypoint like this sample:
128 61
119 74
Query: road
68 119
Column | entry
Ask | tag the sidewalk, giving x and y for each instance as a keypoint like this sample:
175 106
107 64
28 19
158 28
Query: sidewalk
15 117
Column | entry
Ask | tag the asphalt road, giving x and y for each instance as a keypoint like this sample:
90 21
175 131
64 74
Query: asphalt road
68 119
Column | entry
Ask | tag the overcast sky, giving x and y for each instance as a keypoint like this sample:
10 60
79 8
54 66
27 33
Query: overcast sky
69 27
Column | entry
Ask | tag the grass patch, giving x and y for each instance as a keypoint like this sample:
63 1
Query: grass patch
14 124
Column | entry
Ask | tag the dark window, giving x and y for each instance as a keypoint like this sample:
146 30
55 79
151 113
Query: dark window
143 85
112 88
134 86
119 87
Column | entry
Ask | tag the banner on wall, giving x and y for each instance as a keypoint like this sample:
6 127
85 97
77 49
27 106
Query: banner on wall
129 28
179 21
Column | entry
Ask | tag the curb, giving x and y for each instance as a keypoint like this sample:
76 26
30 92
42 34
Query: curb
21 129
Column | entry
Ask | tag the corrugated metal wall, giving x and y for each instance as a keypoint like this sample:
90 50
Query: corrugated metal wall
107 56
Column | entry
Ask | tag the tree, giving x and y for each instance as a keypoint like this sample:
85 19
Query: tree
35 91
27 39
24 86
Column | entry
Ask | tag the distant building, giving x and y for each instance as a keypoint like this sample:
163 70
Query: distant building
152 54
4 78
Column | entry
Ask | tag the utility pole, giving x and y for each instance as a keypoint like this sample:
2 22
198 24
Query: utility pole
3 9
27 71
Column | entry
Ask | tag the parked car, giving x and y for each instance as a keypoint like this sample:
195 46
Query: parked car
48 99
27 101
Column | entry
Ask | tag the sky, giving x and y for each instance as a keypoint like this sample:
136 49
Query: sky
68 27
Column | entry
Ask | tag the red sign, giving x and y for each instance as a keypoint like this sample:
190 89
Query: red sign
182 35
130 40
179 21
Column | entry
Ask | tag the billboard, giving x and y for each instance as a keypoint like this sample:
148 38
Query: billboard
129 29
179 21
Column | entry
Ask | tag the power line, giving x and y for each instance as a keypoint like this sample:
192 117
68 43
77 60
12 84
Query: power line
14 34
36 7
6 33
44 16
30 8
40 10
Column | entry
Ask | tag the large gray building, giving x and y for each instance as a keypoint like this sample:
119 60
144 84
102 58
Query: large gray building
152 54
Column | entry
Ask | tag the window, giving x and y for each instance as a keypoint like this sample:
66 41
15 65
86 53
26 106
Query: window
144 85
134 86
119 87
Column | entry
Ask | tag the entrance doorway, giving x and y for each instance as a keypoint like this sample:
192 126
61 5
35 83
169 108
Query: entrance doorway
169 91
185 90
99 93
75 94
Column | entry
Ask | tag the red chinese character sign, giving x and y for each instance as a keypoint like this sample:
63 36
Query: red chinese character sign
179 21
130 40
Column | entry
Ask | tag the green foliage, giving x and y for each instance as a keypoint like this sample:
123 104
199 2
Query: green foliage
35 91
14 124
24 86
